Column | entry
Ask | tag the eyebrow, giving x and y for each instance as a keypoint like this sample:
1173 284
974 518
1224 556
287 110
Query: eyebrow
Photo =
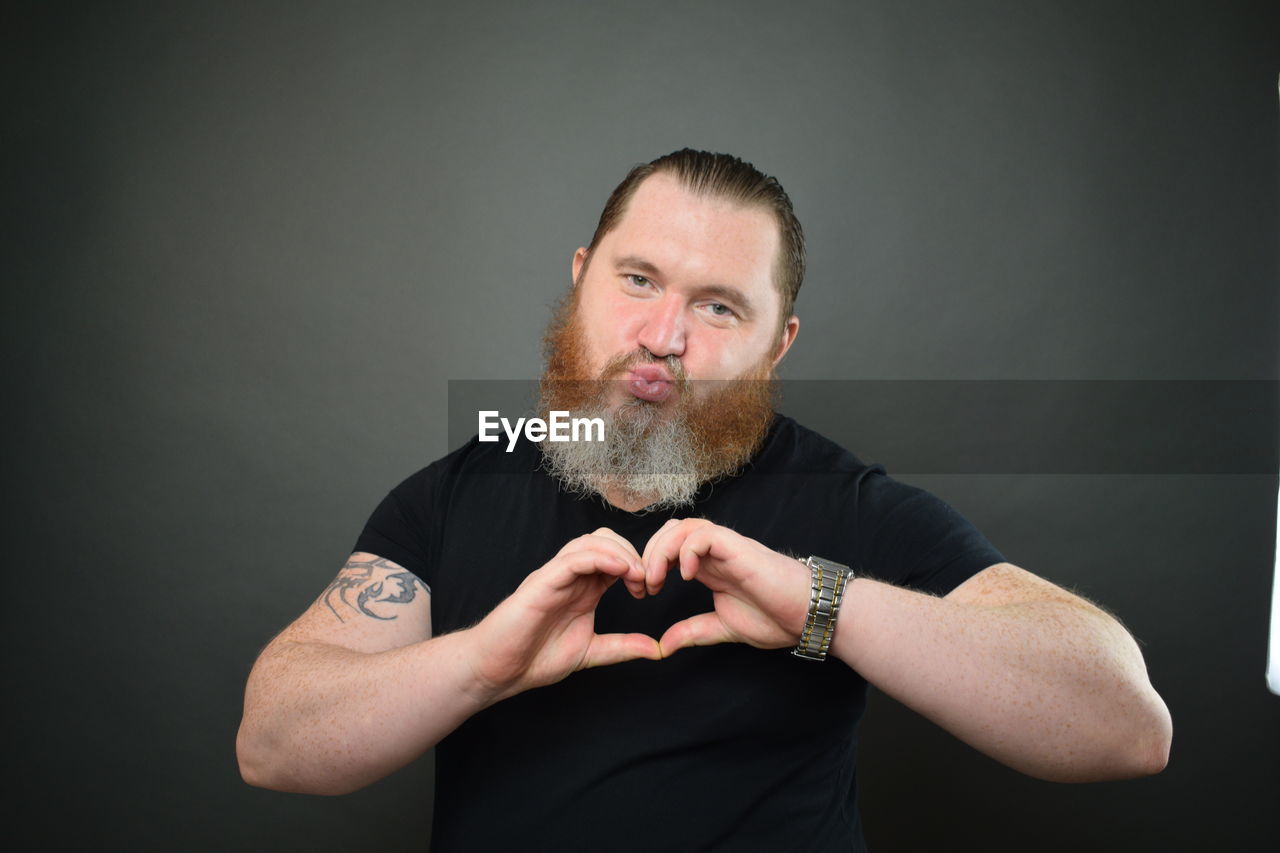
726 292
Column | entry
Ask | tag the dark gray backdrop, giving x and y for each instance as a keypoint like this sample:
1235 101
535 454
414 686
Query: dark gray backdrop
247 245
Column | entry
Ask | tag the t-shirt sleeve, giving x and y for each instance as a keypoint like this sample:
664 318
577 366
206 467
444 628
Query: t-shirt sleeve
911 538
403 527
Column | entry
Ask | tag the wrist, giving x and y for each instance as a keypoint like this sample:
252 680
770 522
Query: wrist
827 583
799 586
484 684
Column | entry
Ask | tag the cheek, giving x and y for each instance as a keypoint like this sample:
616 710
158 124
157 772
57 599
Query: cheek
608 337
711 358
733 355
617 325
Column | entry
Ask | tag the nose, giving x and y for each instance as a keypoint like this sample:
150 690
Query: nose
663 332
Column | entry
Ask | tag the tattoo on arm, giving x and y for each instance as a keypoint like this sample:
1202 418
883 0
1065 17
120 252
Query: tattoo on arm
364 583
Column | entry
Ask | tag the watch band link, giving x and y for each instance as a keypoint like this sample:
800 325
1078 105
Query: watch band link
829 579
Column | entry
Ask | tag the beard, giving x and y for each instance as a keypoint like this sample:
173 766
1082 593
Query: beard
656 454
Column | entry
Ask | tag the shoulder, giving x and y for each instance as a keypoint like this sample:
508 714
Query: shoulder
471 458
807 451
792 448
878 501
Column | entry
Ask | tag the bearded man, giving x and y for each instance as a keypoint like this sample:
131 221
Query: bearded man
480 610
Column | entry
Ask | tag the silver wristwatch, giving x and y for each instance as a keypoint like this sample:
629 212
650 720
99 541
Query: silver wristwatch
829 581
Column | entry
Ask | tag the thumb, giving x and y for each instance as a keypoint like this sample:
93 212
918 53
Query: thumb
705 629
606 649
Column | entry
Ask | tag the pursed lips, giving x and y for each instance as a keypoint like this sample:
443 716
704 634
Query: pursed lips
650 382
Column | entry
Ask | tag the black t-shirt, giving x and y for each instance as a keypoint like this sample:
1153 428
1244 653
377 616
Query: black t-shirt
723 747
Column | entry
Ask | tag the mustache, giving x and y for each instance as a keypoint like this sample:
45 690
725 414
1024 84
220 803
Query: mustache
626 361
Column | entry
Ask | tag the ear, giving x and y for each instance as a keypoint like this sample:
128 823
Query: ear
789 332
579 259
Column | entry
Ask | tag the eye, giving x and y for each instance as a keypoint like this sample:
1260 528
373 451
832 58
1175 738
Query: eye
720 312
637 280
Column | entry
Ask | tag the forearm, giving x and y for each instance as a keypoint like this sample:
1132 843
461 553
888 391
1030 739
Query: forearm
1054 689
324 719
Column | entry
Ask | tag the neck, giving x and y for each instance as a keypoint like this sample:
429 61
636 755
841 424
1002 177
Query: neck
627 501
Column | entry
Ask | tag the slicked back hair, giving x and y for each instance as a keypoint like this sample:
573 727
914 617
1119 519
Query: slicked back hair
727 177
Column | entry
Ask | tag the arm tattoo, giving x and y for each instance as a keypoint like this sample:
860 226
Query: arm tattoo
365 582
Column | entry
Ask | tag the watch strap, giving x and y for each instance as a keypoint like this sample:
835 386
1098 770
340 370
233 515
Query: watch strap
828 581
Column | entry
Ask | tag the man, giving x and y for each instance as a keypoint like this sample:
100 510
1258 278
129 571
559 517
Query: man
481 609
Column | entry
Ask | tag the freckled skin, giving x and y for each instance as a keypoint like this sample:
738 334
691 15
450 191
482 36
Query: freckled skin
1024 671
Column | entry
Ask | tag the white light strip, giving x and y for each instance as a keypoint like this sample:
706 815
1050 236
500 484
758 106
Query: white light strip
1273 651
1273 648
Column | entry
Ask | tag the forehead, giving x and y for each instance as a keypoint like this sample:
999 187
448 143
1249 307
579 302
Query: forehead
700 239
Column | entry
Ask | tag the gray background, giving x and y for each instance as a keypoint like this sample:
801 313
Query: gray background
247 246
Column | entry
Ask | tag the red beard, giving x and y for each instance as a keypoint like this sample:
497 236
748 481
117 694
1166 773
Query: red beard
724 421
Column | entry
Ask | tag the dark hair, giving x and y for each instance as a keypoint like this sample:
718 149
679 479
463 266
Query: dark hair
728 177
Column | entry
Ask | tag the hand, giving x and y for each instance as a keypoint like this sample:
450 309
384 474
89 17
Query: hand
761 597
546 628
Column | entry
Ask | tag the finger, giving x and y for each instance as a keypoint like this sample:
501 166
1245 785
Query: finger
606 539
619 538
564 571
705 629
696 545
634 580
615 544
715 547
644 558
655 575
606 649
601 536
596 537
662 549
